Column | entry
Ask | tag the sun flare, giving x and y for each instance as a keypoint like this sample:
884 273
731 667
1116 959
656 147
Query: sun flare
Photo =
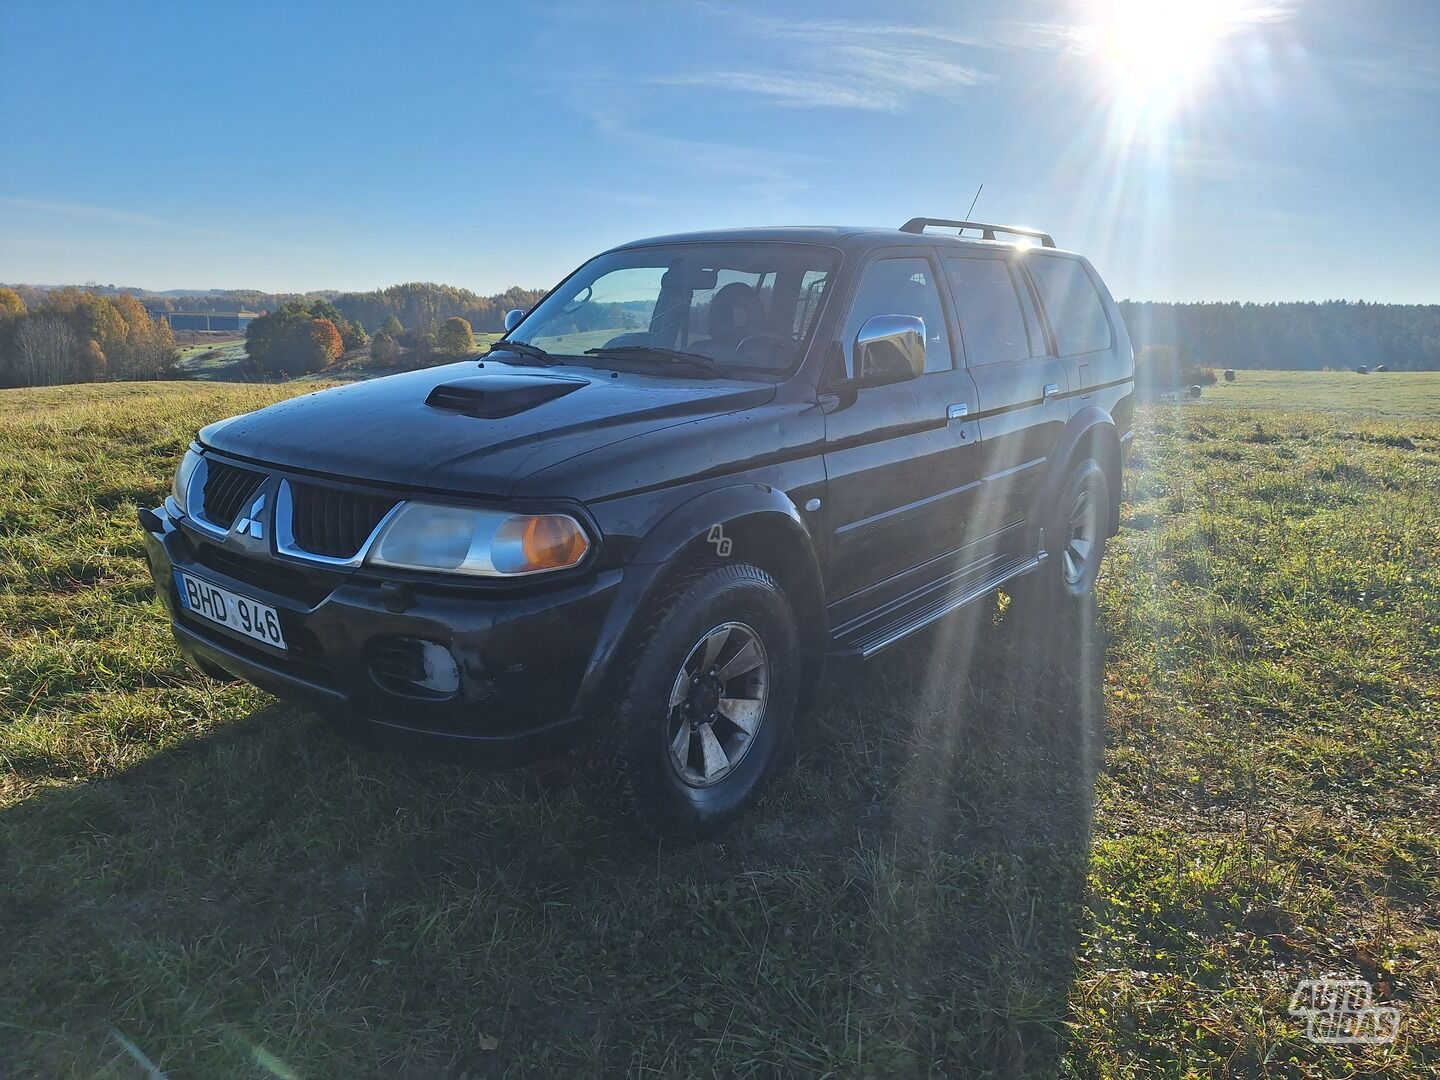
1156 53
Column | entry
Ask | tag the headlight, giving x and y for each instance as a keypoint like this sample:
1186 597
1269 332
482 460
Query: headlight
181 487
487 543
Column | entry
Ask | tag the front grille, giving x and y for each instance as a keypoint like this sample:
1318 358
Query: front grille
331 522
307 586
227 488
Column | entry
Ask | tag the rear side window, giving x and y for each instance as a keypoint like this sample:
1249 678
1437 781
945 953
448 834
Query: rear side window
988 307
1077 315
902 286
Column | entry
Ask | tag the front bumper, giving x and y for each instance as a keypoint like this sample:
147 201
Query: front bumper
522 655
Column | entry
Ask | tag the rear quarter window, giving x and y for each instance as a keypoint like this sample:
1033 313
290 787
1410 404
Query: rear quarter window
1077 314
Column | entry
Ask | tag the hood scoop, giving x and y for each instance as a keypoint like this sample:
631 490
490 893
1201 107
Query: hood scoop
494 397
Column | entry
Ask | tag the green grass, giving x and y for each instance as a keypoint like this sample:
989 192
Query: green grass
1108 847
1394 394
212 360
223 362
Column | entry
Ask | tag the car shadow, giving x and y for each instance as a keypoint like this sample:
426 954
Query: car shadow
907 899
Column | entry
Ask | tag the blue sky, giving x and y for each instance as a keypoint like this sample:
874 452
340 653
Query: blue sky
1289 151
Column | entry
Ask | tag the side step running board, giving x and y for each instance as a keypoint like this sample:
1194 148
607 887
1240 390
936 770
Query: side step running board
929 610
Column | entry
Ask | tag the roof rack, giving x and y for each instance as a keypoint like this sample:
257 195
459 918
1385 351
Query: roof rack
988 231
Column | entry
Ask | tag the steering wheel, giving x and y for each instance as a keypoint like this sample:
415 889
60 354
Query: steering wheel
775 346
581 299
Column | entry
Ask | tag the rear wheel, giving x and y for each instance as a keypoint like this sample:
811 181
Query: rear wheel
704 714
1076 531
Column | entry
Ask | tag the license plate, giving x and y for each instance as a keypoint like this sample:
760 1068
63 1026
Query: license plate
231 610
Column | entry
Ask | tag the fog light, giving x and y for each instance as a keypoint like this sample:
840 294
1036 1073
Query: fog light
442 674
414 666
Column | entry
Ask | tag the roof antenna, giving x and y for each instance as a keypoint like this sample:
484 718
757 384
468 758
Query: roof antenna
974 201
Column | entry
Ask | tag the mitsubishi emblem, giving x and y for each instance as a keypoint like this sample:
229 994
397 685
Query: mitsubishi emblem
250 524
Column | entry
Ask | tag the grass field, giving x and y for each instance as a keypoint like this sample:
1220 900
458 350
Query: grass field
223 362
1107 847
1393 394
210 360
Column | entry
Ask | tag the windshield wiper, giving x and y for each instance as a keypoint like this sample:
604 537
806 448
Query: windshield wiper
524 348
646 352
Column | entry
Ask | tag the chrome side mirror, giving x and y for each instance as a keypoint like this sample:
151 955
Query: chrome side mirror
890 348
512 318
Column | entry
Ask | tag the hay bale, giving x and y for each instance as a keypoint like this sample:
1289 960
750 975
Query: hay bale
1229 374
1195 391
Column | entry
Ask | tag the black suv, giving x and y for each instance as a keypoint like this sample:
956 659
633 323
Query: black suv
699 466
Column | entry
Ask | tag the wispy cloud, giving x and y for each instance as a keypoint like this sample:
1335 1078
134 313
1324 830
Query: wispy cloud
110 214
759 173
843 64
979 32
788 91
1402 67
78 210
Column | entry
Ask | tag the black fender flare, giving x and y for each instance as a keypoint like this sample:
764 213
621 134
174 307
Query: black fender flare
721 518
1089 426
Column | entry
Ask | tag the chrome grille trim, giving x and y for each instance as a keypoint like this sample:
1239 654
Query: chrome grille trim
226 490
358 507
287 545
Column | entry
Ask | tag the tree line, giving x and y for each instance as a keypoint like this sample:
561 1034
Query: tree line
77 335
416 303
1336 334
73 335
302 336
426 304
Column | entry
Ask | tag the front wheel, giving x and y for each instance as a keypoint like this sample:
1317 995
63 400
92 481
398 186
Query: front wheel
705 711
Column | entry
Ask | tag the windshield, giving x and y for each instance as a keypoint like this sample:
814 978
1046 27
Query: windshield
740 307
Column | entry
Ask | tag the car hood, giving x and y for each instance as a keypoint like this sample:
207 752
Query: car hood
483 429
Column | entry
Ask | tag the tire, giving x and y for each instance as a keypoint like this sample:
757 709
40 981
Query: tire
673 757
1075 534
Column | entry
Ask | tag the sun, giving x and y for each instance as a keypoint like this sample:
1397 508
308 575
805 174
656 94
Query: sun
1154 54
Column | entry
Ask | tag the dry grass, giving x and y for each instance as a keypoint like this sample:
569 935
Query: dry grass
1108 847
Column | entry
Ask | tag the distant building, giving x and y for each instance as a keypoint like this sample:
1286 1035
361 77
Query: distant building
207 320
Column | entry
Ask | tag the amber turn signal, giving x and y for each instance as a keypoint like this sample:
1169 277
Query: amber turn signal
550 541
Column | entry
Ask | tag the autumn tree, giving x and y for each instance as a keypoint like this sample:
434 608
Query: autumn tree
46 352
104 336
325 343
456 337
291 341
11 306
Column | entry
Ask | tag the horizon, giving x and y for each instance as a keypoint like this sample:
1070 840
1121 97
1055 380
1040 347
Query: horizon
141 291
1216 150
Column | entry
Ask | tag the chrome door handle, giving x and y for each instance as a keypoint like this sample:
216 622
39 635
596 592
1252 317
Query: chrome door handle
959 409
1051 389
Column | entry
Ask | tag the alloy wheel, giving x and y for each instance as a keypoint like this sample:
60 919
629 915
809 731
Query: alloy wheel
1081 532
717 703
